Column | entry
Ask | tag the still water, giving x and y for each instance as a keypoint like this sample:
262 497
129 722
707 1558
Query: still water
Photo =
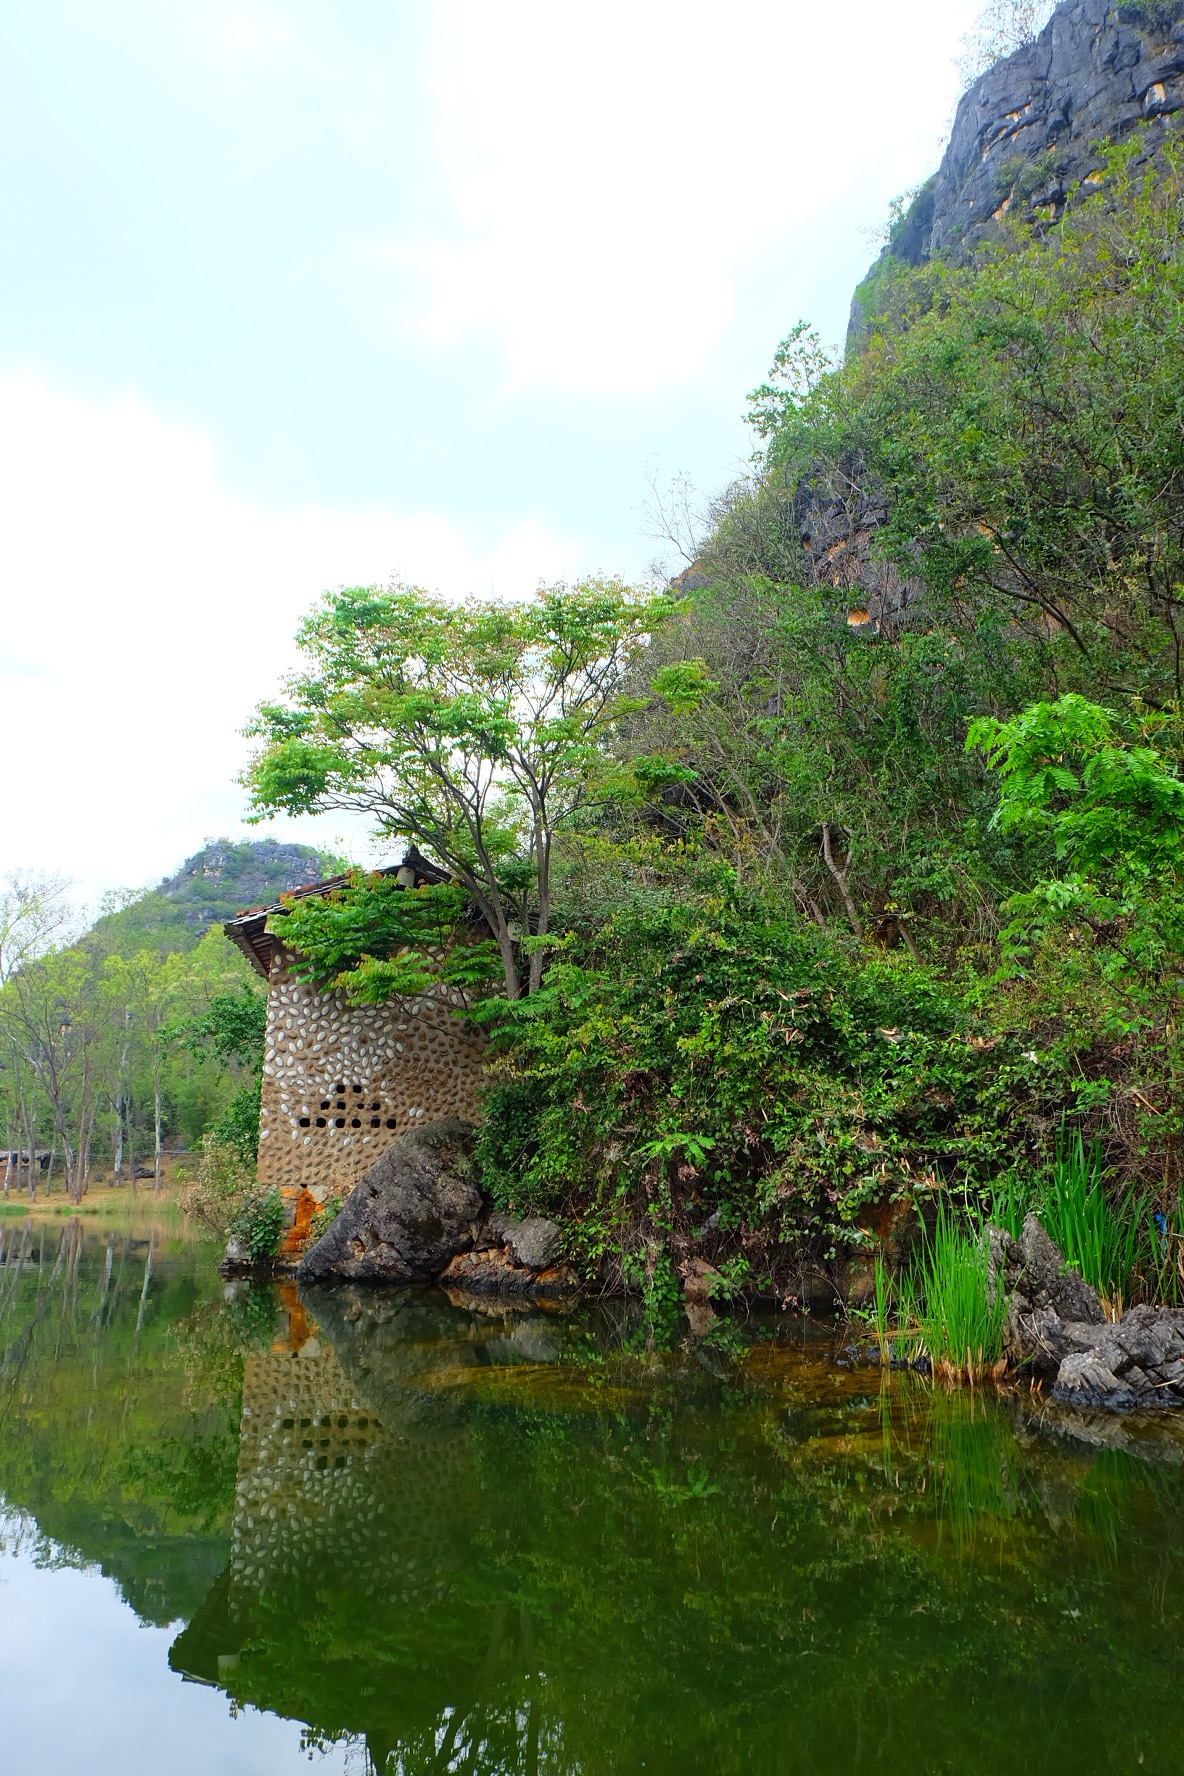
390 1532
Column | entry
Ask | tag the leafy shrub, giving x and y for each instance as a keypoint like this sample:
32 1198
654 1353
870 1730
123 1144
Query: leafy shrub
215 1193
712 1061
238 1126
258 1225
323 1218
224 1196
232 1029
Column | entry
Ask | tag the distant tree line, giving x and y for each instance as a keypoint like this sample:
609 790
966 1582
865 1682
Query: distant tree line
107 1056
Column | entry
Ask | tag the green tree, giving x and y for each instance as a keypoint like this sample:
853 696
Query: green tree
478 730
1112 804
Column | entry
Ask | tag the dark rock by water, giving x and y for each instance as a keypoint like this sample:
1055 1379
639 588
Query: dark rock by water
418 1216
413 1211
1056 1325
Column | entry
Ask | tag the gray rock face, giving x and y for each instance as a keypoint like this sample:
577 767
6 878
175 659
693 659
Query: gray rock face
1024 132
1051 1310
412 1212
1137 1363
1055 1323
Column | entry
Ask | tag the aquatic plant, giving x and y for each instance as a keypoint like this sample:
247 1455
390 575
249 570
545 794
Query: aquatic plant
1102 1240
259 1224
1011 1198
961 1321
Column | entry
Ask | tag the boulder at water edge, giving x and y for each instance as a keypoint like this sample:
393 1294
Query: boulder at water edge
417 1216
1056 1325
412 1212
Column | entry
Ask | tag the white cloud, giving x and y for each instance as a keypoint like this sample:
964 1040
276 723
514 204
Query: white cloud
614 169
145 613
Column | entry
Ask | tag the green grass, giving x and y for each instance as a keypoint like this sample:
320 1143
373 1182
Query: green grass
961 1327
1108 1245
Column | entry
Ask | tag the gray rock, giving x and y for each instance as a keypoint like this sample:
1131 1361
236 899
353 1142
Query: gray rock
1052 1312
1048 1281
1137 1363
1022 147
1025 132
411 1213
1085 1379
534 1242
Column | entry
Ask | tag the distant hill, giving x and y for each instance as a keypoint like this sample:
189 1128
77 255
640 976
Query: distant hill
214 884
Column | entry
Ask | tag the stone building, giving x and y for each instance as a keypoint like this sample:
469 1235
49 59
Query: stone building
341 1081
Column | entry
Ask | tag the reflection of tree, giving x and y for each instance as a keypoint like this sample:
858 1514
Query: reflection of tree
97 1444
562 1552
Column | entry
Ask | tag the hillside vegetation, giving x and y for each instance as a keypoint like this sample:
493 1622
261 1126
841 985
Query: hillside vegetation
872 881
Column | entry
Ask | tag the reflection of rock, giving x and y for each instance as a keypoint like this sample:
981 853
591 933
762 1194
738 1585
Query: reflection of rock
698 1277
1158 1438
410 1214
1055 1323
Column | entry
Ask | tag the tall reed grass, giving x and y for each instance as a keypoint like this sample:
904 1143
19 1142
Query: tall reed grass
1109 1244
961 1322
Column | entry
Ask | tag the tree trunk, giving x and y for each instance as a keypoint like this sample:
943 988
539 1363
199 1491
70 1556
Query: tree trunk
538 958
156 1124
840 876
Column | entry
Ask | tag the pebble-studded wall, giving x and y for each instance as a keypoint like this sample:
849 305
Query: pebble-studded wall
341 1081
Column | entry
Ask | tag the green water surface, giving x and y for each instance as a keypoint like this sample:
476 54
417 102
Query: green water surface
438 1538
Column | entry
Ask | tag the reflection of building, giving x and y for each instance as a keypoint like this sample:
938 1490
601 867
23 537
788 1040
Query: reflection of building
346 1602
341 1081
307 1454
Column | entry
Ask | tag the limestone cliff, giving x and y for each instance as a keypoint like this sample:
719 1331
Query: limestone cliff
1025 140
1026 133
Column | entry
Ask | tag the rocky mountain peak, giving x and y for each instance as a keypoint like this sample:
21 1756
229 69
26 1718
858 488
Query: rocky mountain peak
1026 133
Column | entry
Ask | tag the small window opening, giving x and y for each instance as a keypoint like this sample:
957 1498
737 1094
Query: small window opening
390 1122
376 1122
320 1122
339 1122
355 1122
306 1122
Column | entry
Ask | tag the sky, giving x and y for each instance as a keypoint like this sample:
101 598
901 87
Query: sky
297 296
